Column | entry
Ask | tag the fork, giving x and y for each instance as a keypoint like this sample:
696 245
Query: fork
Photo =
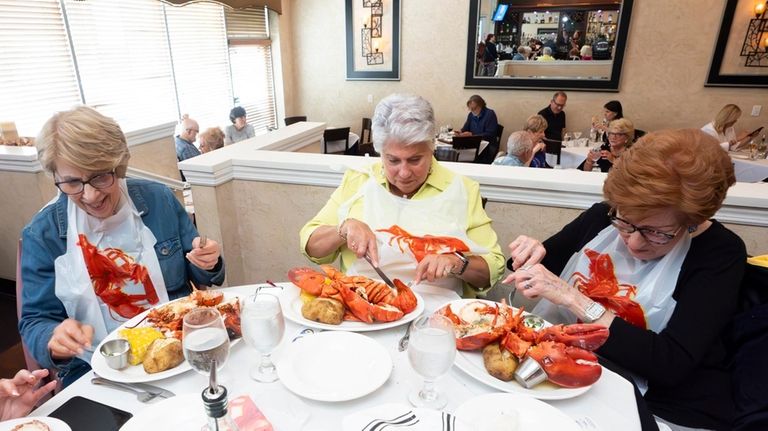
406 419
403 343
142 396
587 423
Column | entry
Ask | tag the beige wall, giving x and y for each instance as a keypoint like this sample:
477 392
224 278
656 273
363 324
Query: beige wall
158 157
662 84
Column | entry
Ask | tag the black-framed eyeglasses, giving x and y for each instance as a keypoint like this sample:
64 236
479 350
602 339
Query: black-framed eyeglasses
615 134
653 236
559 105
75 187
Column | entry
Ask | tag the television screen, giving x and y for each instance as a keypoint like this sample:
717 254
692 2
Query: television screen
501 11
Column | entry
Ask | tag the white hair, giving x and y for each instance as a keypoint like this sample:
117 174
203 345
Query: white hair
405 119
547 50
519 143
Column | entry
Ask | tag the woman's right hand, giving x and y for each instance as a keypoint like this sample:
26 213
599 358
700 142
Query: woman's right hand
70 338
525 251
360 239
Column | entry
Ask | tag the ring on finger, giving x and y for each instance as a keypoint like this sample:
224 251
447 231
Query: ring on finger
527 286
353 244
526 267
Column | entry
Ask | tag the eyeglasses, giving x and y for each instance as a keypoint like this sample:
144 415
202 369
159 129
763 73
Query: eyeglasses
559 105
651 235
98 181
616 134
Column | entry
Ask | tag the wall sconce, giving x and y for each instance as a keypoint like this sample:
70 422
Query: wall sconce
755 47
371 50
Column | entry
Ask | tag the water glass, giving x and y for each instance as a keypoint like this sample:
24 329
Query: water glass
431 351
263 326
204 338
577 135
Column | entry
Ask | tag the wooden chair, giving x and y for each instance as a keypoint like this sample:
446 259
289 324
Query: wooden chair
368 149
339 134
499 131
446 154
366 128
467 143
553 147
296 119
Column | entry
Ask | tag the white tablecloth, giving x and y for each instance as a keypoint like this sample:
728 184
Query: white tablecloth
338 146
610 403
464 155
747 171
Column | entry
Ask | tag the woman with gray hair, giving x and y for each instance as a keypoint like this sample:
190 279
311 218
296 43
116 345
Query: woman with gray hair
394 211
519 150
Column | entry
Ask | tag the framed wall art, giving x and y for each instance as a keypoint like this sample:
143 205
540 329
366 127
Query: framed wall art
373 40
740 58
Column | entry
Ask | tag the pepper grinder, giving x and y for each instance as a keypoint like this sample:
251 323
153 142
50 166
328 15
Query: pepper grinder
215 402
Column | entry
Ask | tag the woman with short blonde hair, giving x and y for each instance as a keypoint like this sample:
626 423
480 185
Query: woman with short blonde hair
536 125
670 274
105 250
722 128
211 139
621 135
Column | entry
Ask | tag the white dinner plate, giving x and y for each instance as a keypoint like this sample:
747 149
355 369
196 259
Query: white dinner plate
291 303
136 373
531 414
334 366
182 412
53 423
471 362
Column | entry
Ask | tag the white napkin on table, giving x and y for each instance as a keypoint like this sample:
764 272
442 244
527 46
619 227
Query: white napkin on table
423 419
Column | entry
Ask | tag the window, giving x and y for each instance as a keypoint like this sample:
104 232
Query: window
199 51
37 77
123 59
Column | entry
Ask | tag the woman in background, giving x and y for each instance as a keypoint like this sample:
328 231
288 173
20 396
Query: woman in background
722 128
211 139
239 129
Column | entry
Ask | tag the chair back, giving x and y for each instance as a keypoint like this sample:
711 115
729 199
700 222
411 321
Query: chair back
446 154
639 134
553 147
467 143
296 119
338 134
366 138
368 149
499 131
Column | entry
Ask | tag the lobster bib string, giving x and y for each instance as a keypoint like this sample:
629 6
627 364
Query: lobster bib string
442 215
649 284
121 275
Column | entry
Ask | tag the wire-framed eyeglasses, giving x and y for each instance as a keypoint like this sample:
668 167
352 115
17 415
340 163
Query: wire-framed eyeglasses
76 186
653 236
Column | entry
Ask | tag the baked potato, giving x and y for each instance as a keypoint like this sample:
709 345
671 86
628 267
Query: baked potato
499 362
163 354
324 310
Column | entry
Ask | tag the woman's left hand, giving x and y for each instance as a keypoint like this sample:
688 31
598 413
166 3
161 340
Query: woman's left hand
204 257
537 281
436 266
21 393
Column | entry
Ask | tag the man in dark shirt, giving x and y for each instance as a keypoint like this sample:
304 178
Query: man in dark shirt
555 116
482 121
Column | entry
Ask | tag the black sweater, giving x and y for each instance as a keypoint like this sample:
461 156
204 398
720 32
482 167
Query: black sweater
685 364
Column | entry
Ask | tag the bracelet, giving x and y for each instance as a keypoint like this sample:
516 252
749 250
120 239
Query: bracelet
339 230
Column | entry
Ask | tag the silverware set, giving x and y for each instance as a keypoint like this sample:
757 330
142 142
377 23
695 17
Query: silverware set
144 392
404 420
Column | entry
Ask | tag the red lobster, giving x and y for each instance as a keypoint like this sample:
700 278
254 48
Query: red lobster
563 351
365 300
109 269
602 286
421 246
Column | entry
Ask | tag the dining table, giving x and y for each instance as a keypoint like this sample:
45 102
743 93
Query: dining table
608 405
465 155
746 169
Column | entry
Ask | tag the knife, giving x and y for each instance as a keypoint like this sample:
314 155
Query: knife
158 391
383 276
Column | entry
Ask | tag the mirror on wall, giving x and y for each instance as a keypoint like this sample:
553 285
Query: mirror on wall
559 44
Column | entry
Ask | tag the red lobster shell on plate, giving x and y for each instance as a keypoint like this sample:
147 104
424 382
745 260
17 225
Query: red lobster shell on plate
563 351
365 300
169 318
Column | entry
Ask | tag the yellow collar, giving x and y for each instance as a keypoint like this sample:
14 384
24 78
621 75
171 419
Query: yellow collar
439 177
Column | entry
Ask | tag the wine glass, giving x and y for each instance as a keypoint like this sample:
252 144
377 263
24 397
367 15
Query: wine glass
204 338
594 155
431 352
263 328
577 135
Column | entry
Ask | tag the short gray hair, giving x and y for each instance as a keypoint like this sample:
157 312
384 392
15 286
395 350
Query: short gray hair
404 118
518 143
547 50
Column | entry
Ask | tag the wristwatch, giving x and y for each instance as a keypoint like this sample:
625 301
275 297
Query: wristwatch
594 311
464 263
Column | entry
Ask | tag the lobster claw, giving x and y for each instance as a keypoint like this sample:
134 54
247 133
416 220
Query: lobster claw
587 336
566 366
308 280
405 299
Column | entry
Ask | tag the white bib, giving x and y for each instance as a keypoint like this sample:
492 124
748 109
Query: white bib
126 233
442 215
654 280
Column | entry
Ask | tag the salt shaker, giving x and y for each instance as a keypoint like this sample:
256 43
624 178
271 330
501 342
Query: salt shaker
215 402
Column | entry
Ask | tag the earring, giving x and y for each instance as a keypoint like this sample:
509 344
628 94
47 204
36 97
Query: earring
692 229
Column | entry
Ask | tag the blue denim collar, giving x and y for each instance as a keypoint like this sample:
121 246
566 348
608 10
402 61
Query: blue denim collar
134 192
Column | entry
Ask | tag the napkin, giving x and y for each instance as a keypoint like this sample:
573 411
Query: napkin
759 261
401 416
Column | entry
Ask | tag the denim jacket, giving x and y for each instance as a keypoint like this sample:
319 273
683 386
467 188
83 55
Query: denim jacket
45 238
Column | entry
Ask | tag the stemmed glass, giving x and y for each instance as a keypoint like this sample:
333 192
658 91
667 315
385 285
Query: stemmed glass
431 352
577 136
263 328
204 339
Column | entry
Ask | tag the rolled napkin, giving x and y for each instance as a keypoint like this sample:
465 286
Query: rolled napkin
402 416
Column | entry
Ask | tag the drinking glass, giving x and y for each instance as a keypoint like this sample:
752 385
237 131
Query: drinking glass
752 149
263 327
431 351
594 155
577 135
204 338
567 139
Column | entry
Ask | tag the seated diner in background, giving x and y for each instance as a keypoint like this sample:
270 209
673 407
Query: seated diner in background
481 120
555 115
211 139
105 249
722 128
621 135
652 265
536 126
239 129
21 393
519 150
612 110
546 55
386 210
185 140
